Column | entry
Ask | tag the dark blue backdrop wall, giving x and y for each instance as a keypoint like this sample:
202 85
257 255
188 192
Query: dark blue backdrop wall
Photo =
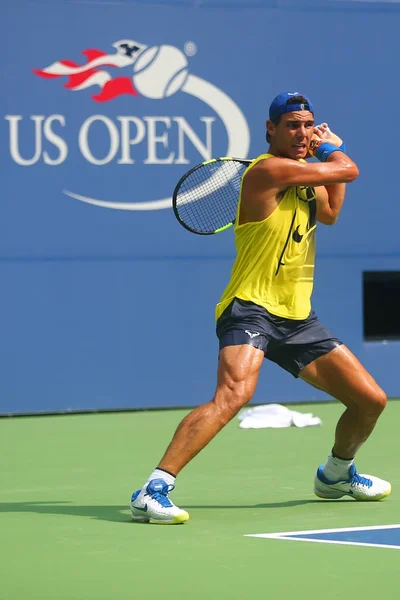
106 302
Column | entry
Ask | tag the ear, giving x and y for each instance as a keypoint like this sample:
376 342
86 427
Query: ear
271 127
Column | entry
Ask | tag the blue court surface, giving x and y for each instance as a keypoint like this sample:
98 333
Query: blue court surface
381 536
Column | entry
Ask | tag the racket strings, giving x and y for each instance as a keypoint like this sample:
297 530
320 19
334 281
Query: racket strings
207 199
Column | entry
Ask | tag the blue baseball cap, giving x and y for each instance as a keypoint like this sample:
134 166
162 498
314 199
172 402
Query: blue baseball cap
279 105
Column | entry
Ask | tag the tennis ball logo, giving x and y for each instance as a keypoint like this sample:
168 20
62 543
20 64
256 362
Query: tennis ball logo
160 71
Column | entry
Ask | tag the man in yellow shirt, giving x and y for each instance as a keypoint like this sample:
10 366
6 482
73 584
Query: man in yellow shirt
265 311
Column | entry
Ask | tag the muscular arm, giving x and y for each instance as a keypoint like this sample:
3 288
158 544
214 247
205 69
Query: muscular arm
281 173
330 198
265 182
329 202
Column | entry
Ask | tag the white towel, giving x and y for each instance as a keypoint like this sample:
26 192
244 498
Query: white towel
275 416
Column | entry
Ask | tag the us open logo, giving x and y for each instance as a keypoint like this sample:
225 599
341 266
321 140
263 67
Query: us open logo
156 73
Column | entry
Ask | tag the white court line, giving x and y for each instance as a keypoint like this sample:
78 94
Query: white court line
285 536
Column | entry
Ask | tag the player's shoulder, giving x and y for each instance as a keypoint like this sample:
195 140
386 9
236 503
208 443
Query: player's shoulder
270 161
266 165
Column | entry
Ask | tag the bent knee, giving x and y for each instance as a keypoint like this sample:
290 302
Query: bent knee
230 400
380 400
376 401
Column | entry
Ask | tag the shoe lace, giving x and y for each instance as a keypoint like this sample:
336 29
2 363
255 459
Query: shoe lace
359 480
162 496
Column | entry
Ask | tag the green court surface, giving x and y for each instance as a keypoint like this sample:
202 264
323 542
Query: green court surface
66 534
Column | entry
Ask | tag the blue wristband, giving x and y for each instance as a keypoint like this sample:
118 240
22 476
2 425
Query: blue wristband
343 148
324 150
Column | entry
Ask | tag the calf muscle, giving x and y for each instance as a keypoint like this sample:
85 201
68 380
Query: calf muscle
341 375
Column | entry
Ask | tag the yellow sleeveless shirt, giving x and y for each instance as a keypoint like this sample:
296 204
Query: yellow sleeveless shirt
274 264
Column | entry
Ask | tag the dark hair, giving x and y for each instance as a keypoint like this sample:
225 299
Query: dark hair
293 100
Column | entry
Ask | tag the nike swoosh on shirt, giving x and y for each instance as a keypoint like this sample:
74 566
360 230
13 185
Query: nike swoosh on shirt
297 237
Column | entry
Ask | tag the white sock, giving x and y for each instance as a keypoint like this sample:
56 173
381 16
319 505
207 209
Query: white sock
337 469
160 474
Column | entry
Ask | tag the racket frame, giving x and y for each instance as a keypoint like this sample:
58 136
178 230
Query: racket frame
244 161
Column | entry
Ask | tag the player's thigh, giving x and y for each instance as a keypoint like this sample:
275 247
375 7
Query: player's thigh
238 369
340 374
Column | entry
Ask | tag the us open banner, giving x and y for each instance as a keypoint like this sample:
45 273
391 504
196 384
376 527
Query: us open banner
158 72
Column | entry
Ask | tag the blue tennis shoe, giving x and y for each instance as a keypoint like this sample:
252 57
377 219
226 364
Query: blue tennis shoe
359 487
152 505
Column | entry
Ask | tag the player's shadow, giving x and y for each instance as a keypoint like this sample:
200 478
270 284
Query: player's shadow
115 514
120 514
286 504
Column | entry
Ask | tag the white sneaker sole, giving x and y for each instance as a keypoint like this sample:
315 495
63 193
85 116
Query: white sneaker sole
177 520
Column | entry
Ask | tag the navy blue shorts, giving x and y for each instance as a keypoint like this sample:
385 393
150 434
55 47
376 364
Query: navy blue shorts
292 344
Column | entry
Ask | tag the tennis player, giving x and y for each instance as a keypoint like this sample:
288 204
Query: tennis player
265 311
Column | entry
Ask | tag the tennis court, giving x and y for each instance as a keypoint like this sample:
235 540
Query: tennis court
66 531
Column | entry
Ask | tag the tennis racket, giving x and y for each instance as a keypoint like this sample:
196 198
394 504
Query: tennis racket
205 199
